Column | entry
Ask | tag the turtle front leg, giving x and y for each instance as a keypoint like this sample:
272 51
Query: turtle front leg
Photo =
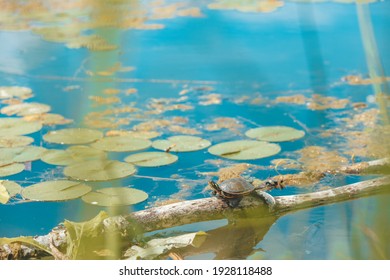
267 198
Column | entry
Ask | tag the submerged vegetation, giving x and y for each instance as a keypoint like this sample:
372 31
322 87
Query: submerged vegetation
122 143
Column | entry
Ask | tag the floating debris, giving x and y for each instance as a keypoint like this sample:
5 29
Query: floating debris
247 6
319 159
231 124
15 92
275 133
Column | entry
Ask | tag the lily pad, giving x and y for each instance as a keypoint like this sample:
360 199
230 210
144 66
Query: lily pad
99 170
73 136
121 144
151 159
181 143
8 189
25 109
134 134
15 91
13 188
275 133
22 154
13 141
55 190
17 126
72 155
11 169
245 149
115 197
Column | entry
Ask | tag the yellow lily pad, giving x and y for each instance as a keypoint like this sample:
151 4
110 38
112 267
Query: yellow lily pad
55 190
22 154
275 133
181 143
99 170
121 144
151 159
4 195
115 197
245 149
12 141
73 136
17 126
25 109
11 169
72 155
8 189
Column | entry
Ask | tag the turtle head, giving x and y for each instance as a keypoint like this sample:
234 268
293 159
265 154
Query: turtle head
214 186
273 184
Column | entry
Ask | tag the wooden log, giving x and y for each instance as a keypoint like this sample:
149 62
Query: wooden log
205 209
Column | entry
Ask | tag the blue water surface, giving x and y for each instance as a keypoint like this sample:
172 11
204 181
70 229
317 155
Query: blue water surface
299 48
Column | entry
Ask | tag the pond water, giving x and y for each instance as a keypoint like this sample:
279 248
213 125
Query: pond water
252 68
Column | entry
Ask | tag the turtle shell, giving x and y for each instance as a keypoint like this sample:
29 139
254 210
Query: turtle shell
236 186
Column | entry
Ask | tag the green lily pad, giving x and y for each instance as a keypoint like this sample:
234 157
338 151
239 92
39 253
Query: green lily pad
245 149
275 133
72 155
25 109
99 170
73 136
17 126
151 159
13 141
181 143
115 197
22 154
11 169
15 91
55 190
121 144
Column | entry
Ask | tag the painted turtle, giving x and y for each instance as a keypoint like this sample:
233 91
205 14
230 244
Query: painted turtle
233 190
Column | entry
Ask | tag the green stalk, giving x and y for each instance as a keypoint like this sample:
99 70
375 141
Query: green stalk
373 60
